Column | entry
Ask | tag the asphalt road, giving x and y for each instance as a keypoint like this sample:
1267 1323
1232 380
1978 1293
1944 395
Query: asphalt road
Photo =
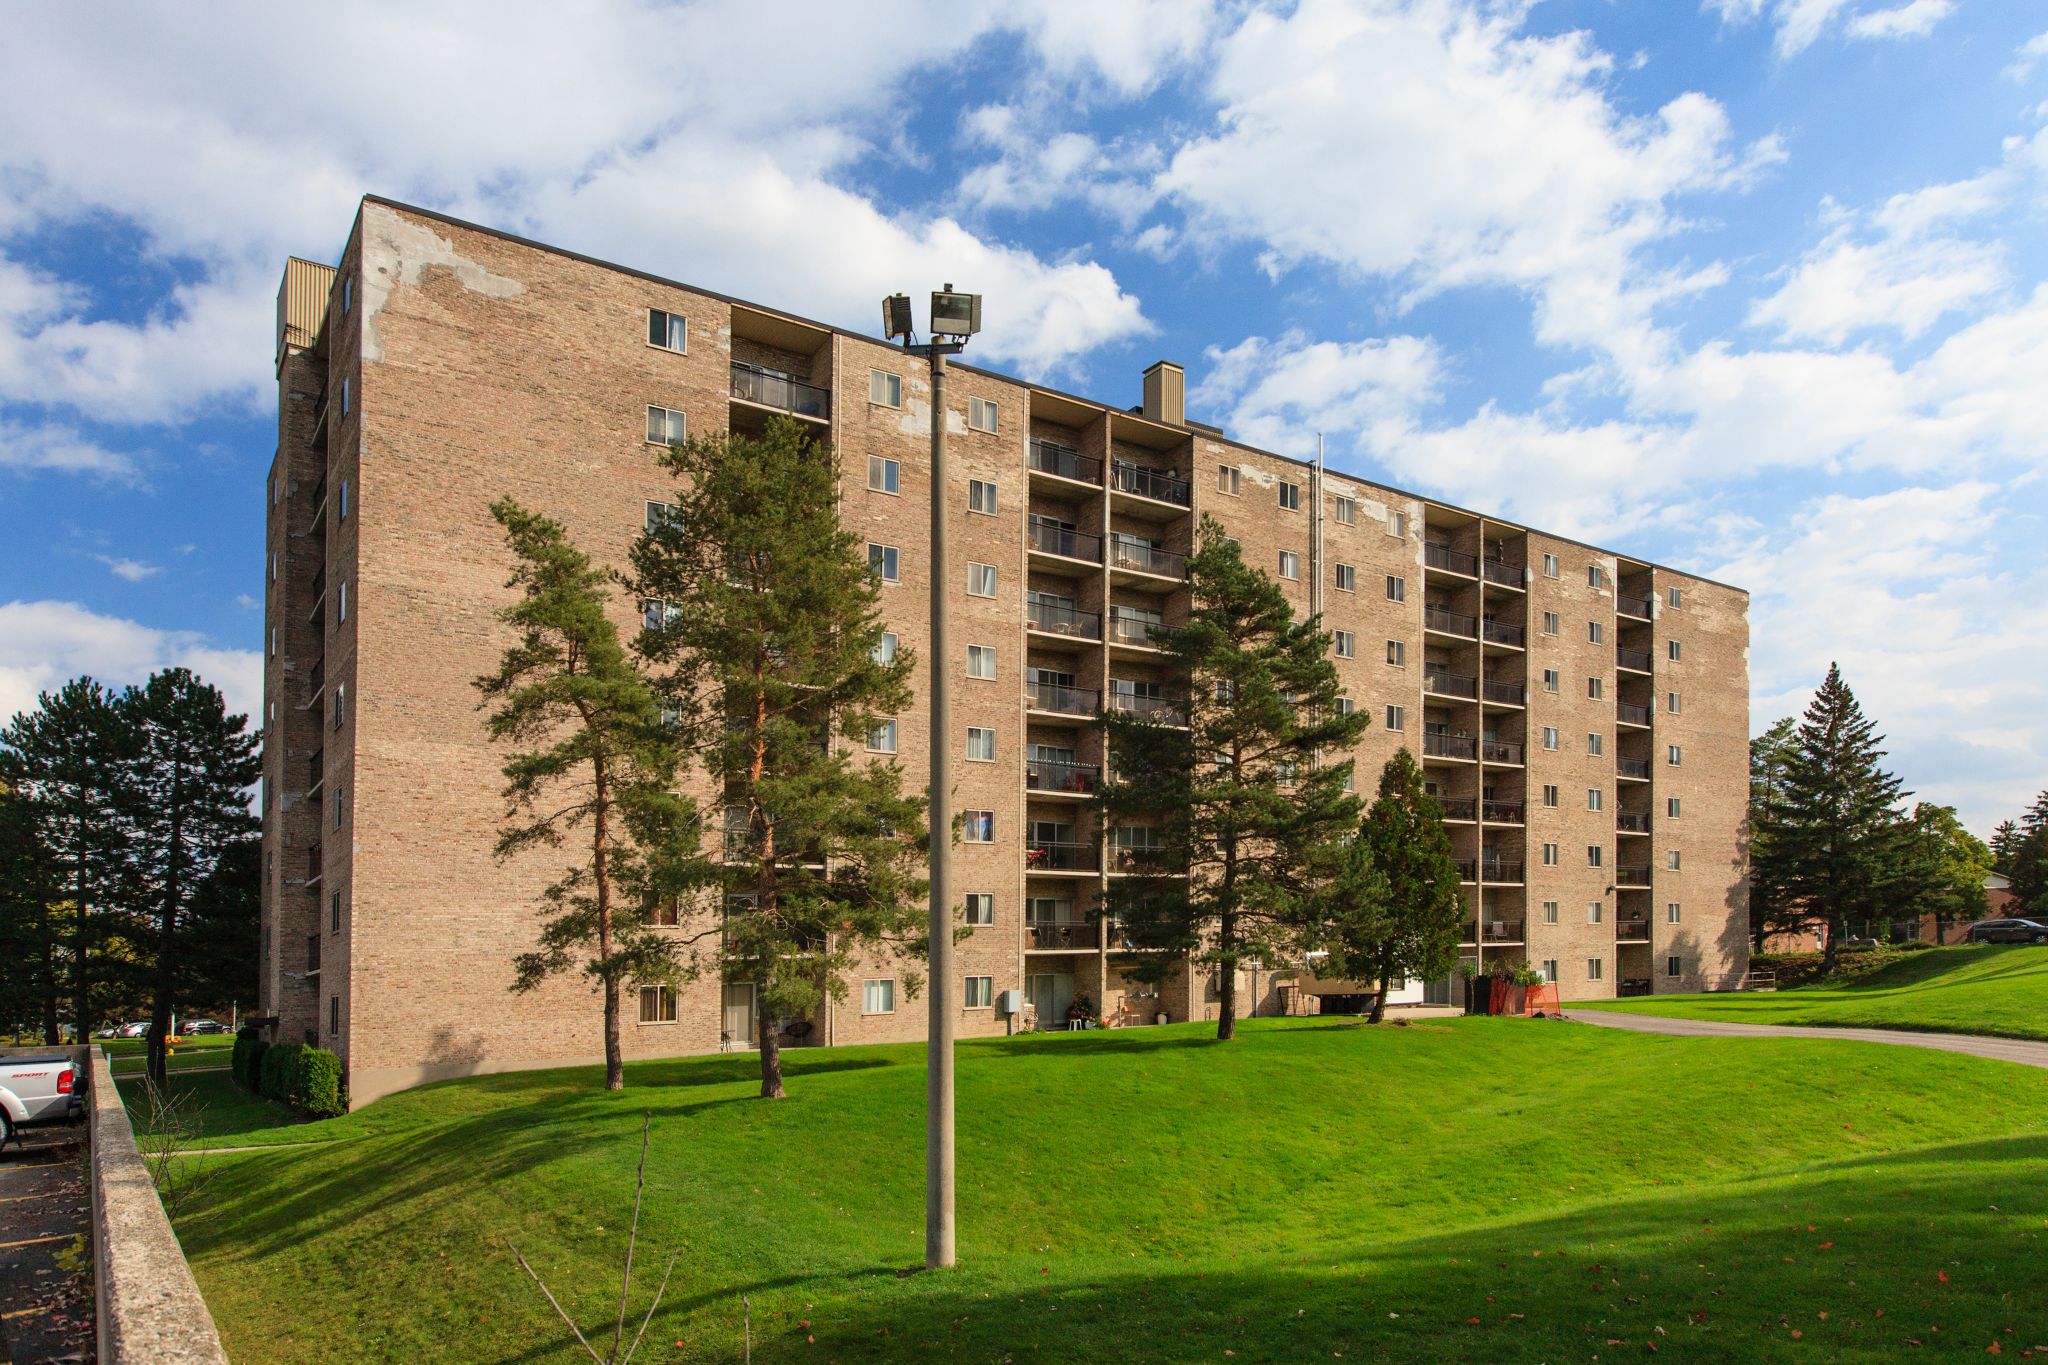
1999 1049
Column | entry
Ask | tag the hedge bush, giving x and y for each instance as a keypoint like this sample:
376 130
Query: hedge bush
314 1083
246 1065
279 1061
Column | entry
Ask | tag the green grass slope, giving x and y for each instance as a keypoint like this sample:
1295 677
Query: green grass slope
1498 1190
1995 989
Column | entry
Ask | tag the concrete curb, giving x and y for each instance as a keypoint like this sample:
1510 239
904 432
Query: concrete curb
149 1306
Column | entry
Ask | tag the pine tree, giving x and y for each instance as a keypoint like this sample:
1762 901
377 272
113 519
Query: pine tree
1248 808
1835 842
222 930
766 618
31 947
2029 874
1399 904
2035 816
1770 756
599 764
2005 841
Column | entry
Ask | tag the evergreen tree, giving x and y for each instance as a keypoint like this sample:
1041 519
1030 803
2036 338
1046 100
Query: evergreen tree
2005 841
2030 874
597 764
1771 910
767 621
193 764
1835 844
2035 817
31 949
222 930
1399 905
1248 822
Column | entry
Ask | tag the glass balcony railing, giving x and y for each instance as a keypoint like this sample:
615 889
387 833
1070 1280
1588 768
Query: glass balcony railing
1450 746
1064 462
1065 701
1144 557
1442 682
1044 775
1049 619
1438 555
1450 622
1051 538
753 384
1160 485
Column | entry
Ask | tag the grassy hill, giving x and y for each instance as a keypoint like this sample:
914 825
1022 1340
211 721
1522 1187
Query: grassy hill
1482 1189
2000 990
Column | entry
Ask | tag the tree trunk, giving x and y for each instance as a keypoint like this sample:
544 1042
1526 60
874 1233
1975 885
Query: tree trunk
614 1042
52 1032
1379 1002
81 980
1226 990
167 931
601 868
771 1059
1829 949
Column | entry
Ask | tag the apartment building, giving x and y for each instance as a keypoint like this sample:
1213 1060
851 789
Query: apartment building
1583 716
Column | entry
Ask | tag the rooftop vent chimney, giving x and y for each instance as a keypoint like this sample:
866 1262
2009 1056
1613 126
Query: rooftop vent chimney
1166 393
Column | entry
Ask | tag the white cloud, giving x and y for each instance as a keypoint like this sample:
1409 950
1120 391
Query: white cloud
25 446
2032 51
46 643
1801 23
130 570
1915 19
1845 286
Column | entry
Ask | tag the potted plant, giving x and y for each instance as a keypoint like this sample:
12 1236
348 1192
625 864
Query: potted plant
1082 1012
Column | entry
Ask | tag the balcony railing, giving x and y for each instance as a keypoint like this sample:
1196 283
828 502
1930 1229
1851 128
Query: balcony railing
1632 824
1634 986
1459 807
316 768
1062 936
1067 701
1632 874
753 384
1469 933
1438 555
1637 659
1503 931
1450 622
313 864
1136 858
1126 553
1638 607
1450 746
1056 855
1126 629
1468 869
1501 632
1500 571
312 955
1500 751
1158 484
1053 620
1632 767
1628 713
1503 812
1445 683
1158 710
1045 775
1512 693
1501 872
1053 539
1628 930
1050 457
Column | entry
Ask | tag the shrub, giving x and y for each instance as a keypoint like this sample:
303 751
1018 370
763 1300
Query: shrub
246 1065
279 1062
314 1085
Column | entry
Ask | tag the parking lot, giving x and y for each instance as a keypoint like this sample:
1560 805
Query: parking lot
45 1271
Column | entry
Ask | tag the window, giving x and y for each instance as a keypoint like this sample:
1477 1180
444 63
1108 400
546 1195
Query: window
1673 650
1347 645
1550 855
885 475
1676 597
1673 966
334 1011
1347 578
273 642
1671 807
665 426
1550 795
348 293
344 500
1397 588
1397 524
883 559
1671 913
667 330
334 913
882 739
1290 496
1596 633
1671 859
1550 623
1551 679
981 414
878 997
885 388
1550 970
344 395
981 907
1593 968
979 827
1594 743
981 744
981 661
980 993
340 704
885 648
1550 737
1595 912
340 803
1595 855
981 496
1229 480
981 580
341 602
1671 703
1397 653
1672 755
1345 706
1594 688
1290 564
656 514
276 561
1397 718
1594 578
1346 511
1550 568
1593 798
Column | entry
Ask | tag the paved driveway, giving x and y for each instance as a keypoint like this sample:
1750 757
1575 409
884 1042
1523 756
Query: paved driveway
2000 1049
45 1309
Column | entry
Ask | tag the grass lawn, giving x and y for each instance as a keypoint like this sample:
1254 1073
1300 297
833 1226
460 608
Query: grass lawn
130 1056
1995 989
1475 1189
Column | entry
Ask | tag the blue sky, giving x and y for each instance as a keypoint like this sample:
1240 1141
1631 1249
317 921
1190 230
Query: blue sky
1754 287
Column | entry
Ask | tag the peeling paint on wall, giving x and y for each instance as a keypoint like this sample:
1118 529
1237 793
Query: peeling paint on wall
399 252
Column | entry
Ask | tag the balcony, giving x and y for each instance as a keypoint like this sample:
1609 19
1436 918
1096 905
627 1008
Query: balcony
1468 869
316 683
1049 537
316 770
1636 986
1636 659
312 877
1500 571
1064 701
1637 768
1158 710
1064 462
1450 622
1632 874
1638 607
1057 855
1159 485
1449 746
1127 628
1138 858
1444 683
1459 807
1138 556
1501 872
1062 936
1503 931
1072 779
1500 751
1501 633
1048 619
1628 713
312 955
752 384
1625 823
1506 693
1437 555
1503 812
1469 933
1629 929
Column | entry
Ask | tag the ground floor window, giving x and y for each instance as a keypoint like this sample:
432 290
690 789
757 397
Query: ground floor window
1673 967
1593 968
878 997
657 1004
981 992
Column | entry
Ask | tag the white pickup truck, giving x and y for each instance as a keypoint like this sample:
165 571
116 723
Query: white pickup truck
38 1089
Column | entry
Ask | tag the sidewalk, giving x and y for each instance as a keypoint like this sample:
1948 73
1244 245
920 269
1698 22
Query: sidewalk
1998 1049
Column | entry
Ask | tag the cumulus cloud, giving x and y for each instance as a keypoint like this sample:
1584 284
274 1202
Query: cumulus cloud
44 644
1801 23
28 446
129 570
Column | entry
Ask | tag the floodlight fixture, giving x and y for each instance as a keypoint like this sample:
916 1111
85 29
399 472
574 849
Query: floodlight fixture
896 320
955 315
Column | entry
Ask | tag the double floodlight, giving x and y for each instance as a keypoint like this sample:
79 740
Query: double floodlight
953 315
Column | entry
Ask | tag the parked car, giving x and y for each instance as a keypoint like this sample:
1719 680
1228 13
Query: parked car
2009 931
110 1031
37 1090
198 1026
138 1029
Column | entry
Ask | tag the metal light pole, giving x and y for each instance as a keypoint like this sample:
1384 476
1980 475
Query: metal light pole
955 317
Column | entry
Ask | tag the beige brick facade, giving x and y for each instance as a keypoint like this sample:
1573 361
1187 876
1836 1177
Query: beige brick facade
477 365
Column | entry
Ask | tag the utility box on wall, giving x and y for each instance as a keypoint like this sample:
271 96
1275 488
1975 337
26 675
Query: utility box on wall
1010 1002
